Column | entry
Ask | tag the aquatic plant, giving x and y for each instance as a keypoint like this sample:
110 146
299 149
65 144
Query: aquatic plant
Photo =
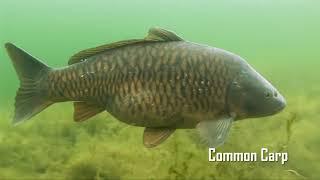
103 148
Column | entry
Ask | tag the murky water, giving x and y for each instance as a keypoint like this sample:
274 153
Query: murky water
280 39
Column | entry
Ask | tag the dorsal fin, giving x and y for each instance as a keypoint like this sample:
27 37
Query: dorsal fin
154 35
84 111
159 34
96 50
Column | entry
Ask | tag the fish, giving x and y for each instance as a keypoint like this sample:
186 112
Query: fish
161 82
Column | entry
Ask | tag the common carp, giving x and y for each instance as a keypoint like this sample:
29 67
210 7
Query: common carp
160 82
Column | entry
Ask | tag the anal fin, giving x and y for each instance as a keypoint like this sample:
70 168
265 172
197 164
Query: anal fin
85 110
155 136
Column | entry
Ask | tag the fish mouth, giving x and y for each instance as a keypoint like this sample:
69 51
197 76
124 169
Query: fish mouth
282 104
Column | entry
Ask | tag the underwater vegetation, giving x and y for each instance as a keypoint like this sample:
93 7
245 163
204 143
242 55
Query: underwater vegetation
54 147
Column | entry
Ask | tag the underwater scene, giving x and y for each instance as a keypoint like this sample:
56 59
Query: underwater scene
279 39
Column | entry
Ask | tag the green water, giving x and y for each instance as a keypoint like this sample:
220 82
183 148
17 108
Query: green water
280 39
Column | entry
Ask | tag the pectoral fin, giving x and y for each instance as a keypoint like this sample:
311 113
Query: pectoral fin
215 132
84 111
155 136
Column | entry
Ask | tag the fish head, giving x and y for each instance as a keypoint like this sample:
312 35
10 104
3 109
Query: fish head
250 96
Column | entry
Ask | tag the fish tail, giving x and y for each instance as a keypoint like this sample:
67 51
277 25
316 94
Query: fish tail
32 96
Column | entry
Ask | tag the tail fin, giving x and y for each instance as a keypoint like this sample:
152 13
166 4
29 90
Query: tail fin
31 97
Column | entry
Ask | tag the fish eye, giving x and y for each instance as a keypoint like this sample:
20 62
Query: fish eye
267 94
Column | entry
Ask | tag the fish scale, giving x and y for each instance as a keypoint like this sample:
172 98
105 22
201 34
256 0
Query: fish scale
158 85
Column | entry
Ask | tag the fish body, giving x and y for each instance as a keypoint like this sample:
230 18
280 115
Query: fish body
162 83
157 84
